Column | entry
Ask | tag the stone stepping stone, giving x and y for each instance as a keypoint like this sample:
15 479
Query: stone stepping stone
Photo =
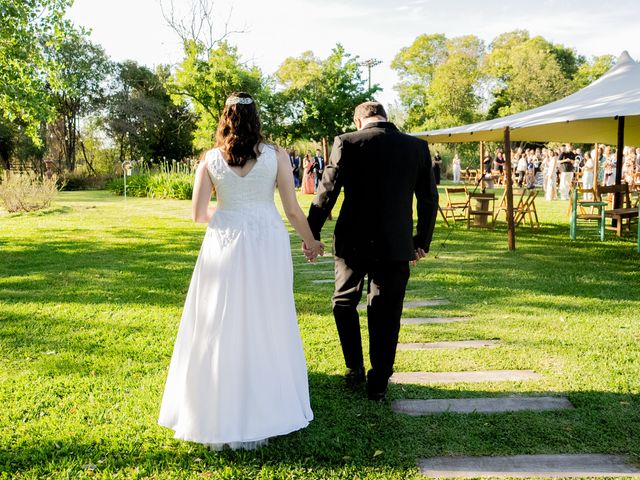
432 320
458 344
464 377
521 466
480 405
317 262
314 272
416 303
325 280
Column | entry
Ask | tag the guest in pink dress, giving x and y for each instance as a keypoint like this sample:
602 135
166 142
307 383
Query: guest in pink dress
308 179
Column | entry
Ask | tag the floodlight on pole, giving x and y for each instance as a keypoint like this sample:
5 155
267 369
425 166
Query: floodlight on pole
372 62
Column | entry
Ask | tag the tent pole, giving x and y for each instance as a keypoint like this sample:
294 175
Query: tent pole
619 160
596 166
481 157
509 189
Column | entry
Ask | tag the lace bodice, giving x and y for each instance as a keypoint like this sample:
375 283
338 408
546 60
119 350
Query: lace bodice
244 203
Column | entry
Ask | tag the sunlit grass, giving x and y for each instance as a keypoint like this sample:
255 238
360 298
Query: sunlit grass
91 293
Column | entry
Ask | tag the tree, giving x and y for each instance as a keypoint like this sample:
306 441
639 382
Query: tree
440 80
592 70
206 77
321 95
528 72
27 30
143 119
80 89
416 66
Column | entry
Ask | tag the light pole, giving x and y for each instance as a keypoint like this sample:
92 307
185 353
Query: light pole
372 62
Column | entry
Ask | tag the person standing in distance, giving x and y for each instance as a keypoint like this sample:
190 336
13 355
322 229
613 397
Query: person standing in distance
318 167
380 169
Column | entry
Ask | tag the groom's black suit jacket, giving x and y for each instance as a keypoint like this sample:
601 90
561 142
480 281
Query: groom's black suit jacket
380 169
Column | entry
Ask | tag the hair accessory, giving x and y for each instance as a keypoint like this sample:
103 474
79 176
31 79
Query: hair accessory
242 100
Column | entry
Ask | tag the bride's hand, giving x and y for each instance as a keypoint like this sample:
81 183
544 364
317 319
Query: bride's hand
313 249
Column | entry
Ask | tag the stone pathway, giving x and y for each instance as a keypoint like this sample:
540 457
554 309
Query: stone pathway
325 280
480 405
417 303
432 320
458 344
521 466
464 377
518 466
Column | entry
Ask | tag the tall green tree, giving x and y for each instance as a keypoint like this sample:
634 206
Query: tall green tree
143 119
528 72
80 88
28 29
206 77
321 94
592 70
440 80
416 66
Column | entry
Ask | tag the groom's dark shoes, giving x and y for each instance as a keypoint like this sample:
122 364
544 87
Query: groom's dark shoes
376 387
354 377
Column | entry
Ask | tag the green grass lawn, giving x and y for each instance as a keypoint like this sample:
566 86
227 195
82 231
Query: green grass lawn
91 293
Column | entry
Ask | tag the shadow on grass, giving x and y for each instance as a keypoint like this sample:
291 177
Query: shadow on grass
349 432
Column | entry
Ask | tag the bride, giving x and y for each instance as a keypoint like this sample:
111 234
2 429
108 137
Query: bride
238 374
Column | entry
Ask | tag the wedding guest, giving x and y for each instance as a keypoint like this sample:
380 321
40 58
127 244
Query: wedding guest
437 164
565 165
308 177
552 167
587 175
295 168
318 168
456 168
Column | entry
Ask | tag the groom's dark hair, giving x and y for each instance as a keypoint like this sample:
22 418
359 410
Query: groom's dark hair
369 109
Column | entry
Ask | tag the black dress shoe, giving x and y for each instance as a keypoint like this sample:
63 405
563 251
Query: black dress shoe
376 387
354 377
376 396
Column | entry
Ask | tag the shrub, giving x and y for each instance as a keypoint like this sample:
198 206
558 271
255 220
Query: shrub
26 192
82 181
178 186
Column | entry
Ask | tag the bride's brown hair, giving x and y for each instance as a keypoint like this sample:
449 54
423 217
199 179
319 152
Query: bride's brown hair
239 131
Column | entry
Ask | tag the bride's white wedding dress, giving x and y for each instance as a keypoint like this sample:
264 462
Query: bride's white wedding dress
238 374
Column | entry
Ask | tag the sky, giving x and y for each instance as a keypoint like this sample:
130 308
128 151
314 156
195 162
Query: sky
276 29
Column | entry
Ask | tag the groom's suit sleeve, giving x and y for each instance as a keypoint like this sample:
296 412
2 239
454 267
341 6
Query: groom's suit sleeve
328 190
427 202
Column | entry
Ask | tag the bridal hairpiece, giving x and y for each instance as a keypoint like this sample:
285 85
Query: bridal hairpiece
241 100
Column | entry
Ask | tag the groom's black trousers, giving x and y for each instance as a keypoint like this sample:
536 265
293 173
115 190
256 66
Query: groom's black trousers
387 282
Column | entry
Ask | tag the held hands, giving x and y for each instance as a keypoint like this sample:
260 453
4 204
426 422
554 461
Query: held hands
313 249
420 253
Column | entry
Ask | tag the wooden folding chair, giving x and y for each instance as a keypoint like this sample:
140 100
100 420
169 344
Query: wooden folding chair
527 208
444 217
502 204
455 208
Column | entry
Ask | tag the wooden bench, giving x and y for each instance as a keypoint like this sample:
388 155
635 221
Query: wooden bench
625 214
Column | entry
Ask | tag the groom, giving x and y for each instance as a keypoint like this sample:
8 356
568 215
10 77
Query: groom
380 169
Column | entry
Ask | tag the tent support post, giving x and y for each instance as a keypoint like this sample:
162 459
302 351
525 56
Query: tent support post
619 159
481 157
509 189
596 166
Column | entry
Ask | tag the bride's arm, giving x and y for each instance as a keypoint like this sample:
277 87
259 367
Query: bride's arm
201 212
292 209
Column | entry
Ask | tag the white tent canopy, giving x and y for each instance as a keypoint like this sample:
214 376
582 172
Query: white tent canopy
588 116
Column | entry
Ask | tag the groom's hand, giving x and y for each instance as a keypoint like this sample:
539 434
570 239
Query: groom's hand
420 253
311 256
